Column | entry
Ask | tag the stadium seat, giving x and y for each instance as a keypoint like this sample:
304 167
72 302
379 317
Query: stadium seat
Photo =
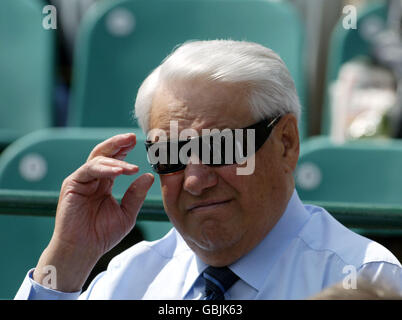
121 42
347 44
43 159
26 64
22 239
359 172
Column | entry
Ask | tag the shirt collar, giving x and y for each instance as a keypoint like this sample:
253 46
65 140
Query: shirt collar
254 267
193 272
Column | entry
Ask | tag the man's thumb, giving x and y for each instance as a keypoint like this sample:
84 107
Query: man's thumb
135 195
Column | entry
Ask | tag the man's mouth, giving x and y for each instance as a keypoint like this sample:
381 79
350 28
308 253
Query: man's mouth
206 205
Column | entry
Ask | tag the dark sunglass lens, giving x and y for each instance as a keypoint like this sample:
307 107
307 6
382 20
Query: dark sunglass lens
168 155
168 168
225 148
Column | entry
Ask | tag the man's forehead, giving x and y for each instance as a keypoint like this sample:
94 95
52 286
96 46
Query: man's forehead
199 107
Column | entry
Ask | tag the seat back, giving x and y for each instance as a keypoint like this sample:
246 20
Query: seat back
43 159
363 172
26 69
22 238
121 42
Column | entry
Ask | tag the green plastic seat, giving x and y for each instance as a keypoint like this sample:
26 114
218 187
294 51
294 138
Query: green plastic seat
26 69
22 238
43 159
347 44
121 42
359 172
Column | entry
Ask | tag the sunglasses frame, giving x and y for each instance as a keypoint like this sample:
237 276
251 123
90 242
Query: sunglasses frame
262 129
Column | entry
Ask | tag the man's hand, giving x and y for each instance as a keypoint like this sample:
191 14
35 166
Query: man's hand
89 221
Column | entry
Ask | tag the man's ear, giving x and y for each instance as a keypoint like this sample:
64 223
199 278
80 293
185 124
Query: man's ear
287 135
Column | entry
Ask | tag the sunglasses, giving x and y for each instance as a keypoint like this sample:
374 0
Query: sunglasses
225 147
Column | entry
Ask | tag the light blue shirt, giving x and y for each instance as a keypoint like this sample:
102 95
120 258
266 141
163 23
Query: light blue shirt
307 251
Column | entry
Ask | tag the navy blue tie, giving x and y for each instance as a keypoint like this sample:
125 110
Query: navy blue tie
217 282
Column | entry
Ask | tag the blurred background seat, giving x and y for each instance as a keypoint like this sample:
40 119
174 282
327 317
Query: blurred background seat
43 159
121 42
22 238
26 70
354 172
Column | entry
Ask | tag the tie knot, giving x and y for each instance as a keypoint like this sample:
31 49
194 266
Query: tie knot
217 281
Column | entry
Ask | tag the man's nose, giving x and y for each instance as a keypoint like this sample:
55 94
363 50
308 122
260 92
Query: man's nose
198 177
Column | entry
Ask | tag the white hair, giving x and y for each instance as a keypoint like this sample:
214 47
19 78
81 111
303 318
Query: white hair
272 90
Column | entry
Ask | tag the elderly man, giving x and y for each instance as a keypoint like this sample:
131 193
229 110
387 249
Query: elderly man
236 235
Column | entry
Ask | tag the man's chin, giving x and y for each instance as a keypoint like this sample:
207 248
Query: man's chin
212 246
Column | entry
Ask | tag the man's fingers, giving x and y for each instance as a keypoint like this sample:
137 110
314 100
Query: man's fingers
128 168
103 168
115 147
135 195
122 154
99 171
